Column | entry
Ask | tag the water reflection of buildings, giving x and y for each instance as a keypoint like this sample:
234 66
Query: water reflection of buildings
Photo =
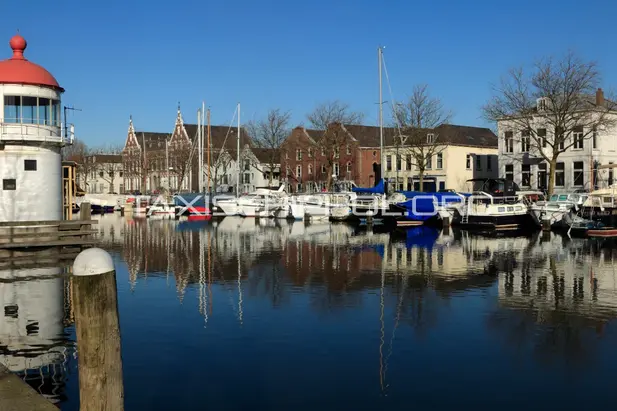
32 339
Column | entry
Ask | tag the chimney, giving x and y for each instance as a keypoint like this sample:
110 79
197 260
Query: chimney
599 97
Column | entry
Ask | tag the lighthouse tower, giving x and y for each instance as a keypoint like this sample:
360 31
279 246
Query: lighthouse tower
31 136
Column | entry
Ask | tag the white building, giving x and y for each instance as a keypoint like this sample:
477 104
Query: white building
576 167
102 174
31 137
463 153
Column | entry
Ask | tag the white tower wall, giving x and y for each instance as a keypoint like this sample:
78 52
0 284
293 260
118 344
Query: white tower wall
37 194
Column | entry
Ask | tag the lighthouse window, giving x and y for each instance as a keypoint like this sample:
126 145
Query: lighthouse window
12 109
44 111
55 112
29 110
30 165
9 184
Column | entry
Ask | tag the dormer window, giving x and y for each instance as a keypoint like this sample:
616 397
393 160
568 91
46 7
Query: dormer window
542 103
430 138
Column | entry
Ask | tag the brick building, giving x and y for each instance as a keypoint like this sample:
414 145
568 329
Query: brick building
309 158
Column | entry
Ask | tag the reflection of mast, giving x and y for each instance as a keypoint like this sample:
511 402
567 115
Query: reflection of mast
239 288
210 270
382 336
203 298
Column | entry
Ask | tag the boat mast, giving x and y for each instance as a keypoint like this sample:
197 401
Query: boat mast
379 57
238 148
144 171
199 153
203 125
208 145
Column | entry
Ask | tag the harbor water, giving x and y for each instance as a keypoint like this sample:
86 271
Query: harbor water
239 314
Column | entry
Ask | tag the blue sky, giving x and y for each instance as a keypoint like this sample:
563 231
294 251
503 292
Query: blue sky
117 58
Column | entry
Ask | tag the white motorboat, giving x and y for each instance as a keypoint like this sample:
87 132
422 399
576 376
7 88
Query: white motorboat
557 207
321 206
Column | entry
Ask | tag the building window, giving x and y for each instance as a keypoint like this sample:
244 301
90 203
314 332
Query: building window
299 155
388 163
409 184
9 184
399 163
525 141
578 137
526 175
374 153
610 175
442 185
489 163
510 172
439 161
594 137
468 162
541 134
430 138
310 152
349 167
560 175
408 162
348 150
247 165
30 165
323 169
478 162
429 162
310 169
509 140
560 138
579 179
298 172
336 169
542 177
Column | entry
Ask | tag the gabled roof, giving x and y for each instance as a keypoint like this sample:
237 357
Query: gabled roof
265 155
153 140
368 136
221 136
467 136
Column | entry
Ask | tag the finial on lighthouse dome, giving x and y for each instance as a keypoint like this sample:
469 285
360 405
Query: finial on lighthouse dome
18 44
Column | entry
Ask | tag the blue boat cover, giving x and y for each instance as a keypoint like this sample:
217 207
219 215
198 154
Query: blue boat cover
380 188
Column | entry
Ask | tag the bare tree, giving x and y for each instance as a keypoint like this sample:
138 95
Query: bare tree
419 137
550 109
180 157
330 117
270 133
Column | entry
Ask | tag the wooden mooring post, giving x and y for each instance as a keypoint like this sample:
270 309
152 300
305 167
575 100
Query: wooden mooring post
97 328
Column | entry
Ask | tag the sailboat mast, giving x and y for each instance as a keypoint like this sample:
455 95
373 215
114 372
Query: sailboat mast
199 154
203 125
382 156
208 145
144 170
238 148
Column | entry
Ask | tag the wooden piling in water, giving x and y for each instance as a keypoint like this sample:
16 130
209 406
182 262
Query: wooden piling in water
97 328
546 225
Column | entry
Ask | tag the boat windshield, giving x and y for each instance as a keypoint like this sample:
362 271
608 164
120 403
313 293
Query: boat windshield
563 197
554 197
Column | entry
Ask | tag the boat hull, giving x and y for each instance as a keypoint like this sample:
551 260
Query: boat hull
501 222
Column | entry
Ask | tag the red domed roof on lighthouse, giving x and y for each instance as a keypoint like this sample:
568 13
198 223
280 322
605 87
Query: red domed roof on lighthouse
18 70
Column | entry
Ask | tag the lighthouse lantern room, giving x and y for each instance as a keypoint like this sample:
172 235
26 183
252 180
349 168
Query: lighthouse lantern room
31 137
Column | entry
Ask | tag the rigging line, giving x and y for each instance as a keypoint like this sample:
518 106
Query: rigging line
394 111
